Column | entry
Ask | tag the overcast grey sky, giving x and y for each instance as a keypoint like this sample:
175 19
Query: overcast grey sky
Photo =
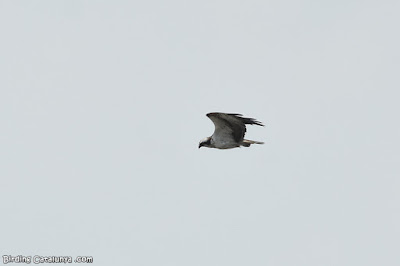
103 104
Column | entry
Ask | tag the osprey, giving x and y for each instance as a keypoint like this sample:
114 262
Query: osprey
229 131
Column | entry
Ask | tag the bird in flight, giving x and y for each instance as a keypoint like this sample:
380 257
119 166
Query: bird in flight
229 131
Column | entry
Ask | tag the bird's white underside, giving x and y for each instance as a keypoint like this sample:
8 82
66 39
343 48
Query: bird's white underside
222 139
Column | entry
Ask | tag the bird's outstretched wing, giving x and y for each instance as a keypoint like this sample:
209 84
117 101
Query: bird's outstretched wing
231 125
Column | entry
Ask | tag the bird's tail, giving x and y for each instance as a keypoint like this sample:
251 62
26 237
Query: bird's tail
247 143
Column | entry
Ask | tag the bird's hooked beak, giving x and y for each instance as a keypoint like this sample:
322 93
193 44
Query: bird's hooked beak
205 142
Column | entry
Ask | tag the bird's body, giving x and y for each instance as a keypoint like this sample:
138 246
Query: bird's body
229 131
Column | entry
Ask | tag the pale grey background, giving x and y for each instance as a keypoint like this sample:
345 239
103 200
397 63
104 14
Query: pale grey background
103 104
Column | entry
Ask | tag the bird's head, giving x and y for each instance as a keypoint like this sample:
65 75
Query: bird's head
205 142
